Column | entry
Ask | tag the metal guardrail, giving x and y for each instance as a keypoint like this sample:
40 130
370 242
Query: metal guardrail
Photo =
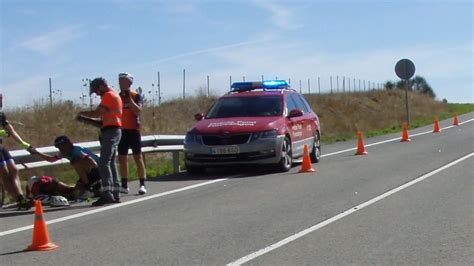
153 143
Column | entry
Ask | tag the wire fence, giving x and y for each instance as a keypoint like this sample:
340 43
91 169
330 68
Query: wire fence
155 94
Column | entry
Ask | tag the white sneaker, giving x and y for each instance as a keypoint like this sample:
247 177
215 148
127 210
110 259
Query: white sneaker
142 190
124 190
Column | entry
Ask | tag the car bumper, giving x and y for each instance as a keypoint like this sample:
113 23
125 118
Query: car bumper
262 151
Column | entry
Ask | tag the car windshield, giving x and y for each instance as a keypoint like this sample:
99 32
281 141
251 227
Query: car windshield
247 106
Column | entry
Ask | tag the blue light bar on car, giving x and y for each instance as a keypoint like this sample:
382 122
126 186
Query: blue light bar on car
267 84
275 84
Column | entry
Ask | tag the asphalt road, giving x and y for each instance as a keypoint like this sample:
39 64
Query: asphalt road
352 210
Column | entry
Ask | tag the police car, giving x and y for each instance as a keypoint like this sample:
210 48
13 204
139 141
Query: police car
264 123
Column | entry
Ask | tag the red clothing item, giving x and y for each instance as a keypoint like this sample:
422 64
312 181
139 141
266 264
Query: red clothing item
42 185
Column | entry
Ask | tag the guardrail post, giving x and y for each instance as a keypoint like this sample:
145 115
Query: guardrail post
176 169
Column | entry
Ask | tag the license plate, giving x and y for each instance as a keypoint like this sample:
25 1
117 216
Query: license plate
226 150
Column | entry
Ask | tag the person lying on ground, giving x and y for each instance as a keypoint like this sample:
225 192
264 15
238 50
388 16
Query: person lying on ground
83 160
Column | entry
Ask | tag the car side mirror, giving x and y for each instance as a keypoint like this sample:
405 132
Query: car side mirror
199 116
295 113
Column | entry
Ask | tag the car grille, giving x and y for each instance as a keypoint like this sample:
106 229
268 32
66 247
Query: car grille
214 140
249 156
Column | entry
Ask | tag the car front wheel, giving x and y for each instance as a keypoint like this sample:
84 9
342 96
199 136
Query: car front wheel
286 156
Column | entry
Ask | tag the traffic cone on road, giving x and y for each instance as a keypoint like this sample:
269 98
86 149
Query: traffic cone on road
405 137
306 166
360 145
436 129
41 240
456 120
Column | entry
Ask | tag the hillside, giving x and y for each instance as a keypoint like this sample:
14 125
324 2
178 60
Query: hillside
341 116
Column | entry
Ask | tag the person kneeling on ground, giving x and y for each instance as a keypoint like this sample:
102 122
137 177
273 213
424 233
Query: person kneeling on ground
83 160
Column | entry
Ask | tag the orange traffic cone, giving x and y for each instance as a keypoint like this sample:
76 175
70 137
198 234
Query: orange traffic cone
456 120
436 129
41 240
405 137
306 166
360 145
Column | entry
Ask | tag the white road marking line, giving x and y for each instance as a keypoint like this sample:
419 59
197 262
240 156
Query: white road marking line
24 228
114 206
343 214
391 140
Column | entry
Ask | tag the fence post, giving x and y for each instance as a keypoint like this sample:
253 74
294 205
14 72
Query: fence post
207 86
309 86
330 79
176 167
319 85
343 84
184 83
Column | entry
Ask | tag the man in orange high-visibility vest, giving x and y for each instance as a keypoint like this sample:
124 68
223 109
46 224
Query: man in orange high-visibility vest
110 113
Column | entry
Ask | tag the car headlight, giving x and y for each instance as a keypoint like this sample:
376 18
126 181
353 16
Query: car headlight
269 134
264 135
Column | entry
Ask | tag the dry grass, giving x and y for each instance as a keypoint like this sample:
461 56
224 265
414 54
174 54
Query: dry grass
39 125
341 115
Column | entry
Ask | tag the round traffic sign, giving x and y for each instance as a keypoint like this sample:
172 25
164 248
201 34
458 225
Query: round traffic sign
405 69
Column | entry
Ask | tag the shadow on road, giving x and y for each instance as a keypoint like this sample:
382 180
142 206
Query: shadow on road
13 212
216 173
13 252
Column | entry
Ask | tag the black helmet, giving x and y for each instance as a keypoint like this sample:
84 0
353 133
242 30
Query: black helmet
96 83
60 140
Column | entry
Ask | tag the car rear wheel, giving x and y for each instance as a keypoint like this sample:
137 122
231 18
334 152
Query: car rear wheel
286 156
316 152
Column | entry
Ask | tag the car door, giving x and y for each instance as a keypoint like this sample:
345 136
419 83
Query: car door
310 120
296 125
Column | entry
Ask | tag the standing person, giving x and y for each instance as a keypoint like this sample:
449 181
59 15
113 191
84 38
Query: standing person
131 137
110 113
8 170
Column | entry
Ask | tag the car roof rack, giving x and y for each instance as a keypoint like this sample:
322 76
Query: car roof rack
266 85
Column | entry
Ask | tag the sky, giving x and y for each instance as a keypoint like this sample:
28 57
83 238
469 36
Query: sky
69 41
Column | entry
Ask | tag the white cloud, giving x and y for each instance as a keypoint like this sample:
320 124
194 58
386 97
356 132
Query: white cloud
104 27
283 16
26 91
49 41
442 66
183 8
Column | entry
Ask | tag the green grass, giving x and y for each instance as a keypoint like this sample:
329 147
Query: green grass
453 108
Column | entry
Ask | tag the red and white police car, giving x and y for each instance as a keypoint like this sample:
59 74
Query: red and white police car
265 123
